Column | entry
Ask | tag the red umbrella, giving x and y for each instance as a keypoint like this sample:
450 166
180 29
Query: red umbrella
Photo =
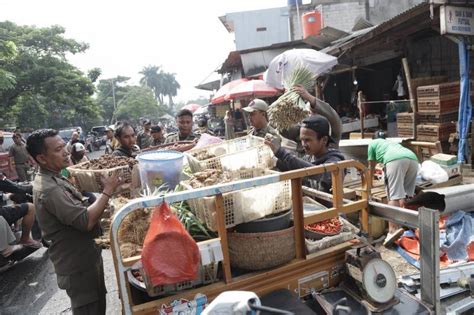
192 107
253 88
222 92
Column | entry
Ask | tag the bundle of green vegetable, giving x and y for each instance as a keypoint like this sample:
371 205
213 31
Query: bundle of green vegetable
196 229
288 109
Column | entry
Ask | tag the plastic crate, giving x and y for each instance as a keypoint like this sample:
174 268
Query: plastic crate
244 152
206 275
90 180
244 205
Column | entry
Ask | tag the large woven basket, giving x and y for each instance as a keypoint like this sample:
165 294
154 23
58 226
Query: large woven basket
257 251
90 180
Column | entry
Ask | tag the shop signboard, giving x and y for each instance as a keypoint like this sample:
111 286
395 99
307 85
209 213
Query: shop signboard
457 20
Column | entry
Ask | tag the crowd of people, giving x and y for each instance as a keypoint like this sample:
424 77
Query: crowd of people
70 218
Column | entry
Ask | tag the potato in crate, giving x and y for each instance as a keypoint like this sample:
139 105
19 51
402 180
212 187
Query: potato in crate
239 206
87 175
244 152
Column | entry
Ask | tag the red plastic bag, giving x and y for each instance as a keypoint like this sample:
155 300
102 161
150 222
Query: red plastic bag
170 255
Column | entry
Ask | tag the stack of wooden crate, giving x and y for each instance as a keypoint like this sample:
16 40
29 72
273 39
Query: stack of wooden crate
437 111
405 125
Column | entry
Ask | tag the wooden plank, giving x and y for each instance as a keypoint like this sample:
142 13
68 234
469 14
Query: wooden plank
297 198
222 231
337 188
130 261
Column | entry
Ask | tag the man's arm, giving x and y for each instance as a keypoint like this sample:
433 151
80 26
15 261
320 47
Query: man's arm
322 108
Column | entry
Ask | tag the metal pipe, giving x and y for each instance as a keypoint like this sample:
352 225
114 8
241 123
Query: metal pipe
456 197
394 214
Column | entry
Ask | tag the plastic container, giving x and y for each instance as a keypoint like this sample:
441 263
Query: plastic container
312 23
271 223
244 205
158 168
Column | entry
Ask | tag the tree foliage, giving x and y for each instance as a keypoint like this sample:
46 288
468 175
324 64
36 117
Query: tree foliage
138 102
163 84
47 90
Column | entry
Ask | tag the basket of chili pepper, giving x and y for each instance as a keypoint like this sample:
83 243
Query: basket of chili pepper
319 230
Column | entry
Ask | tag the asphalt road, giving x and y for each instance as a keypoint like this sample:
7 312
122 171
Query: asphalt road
30 287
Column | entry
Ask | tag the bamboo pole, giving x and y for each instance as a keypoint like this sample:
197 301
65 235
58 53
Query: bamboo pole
360 105
411 94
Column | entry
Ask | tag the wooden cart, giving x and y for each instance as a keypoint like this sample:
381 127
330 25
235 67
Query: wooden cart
317 270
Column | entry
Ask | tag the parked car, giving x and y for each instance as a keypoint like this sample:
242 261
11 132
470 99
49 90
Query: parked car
99 130
66 133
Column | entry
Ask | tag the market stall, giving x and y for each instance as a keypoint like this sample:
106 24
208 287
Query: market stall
300 267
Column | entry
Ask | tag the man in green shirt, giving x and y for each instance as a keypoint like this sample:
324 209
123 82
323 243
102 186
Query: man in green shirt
400 168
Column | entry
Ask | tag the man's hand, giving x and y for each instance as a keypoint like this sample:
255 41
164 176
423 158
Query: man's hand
304 93
111 182
272 142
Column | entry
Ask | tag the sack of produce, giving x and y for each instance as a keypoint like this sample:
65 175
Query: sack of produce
170 255
289 109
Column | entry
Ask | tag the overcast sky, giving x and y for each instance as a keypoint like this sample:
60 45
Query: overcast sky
184 37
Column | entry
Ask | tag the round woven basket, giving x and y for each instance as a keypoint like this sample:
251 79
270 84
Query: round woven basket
257 251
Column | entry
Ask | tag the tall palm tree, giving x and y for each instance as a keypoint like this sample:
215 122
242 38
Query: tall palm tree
152 78
171 86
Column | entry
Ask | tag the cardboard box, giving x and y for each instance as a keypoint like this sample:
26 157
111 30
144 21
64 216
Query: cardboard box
444 159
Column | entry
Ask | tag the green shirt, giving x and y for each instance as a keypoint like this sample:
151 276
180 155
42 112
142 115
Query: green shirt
384 151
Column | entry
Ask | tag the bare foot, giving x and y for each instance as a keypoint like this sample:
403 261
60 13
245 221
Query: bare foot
31 243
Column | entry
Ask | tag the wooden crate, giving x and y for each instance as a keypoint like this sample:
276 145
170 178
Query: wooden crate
437 105
438 90
436 119
405 125
405 118
435 132
424 81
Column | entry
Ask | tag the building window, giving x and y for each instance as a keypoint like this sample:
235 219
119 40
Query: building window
261 29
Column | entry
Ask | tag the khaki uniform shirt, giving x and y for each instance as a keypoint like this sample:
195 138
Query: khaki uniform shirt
19 153
262 132
144 140
174 137
62 215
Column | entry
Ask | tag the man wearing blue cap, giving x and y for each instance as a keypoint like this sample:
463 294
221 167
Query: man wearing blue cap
315 135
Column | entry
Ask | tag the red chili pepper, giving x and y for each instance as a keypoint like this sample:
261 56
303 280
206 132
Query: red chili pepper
330 226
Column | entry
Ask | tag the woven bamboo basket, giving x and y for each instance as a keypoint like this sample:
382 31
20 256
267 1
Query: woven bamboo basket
90 180
257 251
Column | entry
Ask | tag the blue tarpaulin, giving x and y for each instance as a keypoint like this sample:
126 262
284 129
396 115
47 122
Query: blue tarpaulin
465 104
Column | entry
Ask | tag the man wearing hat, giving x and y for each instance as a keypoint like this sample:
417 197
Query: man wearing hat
144 138
257 110
315 135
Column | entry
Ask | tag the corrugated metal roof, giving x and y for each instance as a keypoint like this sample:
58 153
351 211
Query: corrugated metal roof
359 37
325 37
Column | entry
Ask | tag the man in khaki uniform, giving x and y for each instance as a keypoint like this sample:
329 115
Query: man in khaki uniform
21 158
257 110
184 120
70 223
